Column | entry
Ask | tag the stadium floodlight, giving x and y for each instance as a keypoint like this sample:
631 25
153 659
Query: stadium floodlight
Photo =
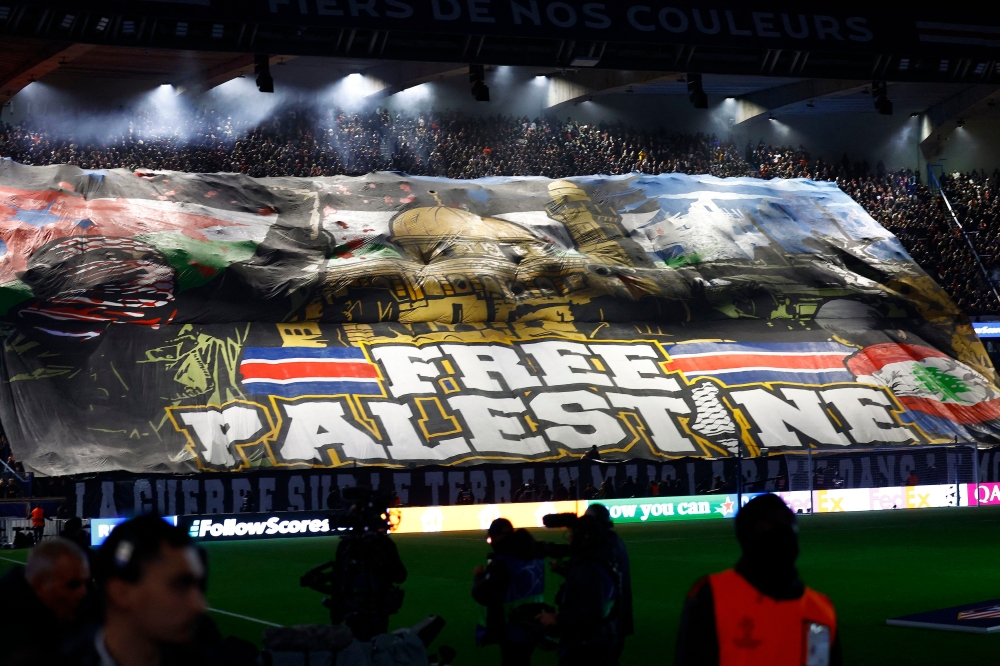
262 68
882 102
960 123
477 77
695 91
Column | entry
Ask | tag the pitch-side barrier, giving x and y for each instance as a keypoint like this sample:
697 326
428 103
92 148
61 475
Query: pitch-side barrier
9 527
476 517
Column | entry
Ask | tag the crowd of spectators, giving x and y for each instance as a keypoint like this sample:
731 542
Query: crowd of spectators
11 472
974 198
297 142
919 218
16 482
541 492
304 143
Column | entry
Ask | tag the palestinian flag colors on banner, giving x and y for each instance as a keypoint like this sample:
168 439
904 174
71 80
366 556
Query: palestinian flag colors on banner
171 322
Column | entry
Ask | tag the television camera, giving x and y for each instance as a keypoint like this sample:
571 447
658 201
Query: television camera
362 582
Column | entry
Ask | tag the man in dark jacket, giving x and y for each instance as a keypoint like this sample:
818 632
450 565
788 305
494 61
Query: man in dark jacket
586 621
765 615
369 571
151 579
513 579
42 601
618 554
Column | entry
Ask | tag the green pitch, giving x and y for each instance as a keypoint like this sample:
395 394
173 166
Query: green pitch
873 566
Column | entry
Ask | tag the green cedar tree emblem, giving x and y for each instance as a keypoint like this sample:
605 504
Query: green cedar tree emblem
937 381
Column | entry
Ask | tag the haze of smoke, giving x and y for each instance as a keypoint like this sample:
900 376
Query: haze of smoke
227 112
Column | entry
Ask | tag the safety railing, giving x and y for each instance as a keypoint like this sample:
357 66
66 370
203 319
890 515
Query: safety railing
9 528
956 223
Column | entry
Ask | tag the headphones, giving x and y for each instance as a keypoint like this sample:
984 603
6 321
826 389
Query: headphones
123 553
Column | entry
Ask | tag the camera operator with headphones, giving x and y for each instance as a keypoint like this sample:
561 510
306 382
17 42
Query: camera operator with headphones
362 581
587 620
512 589
617 553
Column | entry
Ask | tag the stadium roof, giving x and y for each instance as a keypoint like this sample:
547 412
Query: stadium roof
771 56
772 37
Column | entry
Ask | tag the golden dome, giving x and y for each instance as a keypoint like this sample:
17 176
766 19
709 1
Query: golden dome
567 190
435 223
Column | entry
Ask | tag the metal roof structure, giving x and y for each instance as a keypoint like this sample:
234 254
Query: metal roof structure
773 56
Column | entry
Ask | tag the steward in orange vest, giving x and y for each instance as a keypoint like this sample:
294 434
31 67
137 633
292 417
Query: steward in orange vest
759 612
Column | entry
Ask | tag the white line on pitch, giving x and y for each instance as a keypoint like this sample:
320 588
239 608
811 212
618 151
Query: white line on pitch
7 559
245 617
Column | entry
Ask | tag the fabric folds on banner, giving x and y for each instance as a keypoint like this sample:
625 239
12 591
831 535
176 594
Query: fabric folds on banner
169 322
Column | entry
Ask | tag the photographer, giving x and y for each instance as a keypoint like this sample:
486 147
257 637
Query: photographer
512 582
617 553
362 581
587 620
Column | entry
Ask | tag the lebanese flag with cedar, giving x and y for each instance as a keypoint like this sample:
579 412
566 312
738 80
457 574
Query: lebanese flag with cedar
929 381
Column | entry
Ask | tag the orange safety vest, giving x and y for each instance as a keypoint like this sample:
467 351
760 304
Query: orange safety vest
38 517
753 628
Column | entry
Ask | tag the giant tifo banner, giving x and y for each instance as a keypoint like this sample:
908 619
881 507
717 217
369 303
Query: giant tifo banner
168 322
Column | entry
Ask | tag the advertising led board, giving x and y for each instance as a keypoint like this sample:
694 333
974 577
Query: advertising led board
257 526
868 499
987 329
101 528
980 494
477 517
661 509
